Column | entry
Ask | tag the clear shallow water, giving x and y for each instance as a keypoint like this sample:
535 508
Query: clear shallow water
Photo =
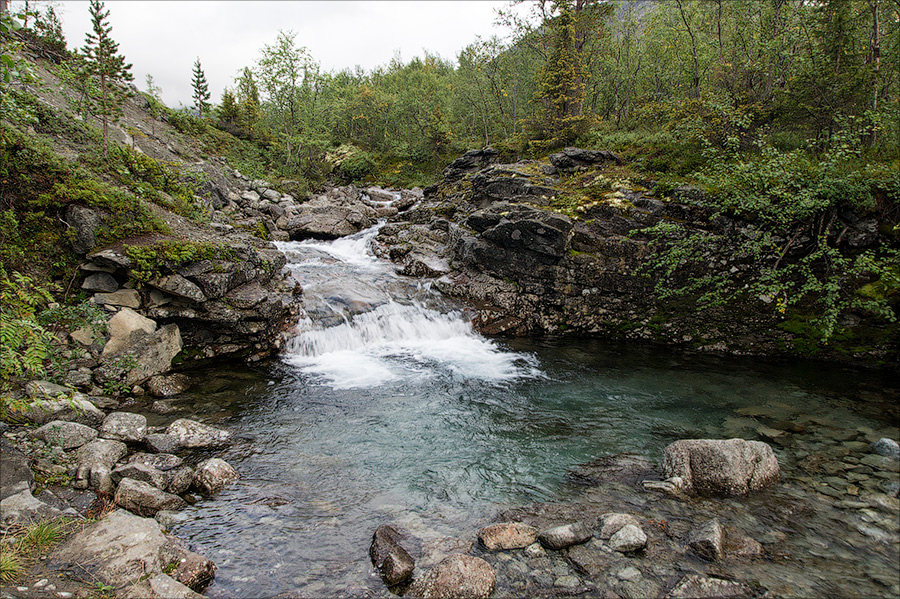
387 408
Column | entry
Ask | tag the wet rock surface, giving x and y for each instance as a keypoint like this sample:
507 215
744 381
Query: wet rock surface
393 562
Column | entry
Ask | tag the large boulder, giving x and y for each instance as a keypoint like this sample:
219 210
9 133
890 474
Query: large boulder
123 549
84 221
76 408
68 435
193 434
721 466
124 426
507 535
392 561
213 475
23 508
123 327
456 577
144 499
323 220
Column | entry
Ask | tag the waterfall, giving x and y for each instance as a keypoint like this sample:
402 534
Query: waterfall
364 325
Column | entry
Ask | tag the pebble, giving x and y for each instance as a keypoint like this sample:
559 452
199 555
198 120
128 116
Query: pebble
535 550
41 583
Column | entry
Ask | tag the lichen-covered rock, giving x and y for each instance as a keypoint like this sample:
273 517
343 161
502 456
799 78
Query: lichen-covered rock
159 461
161 443
392 561
720 466
144 499
887 447
193 434
213 475
507 535
457 577
124 426
68 435
76 408
560 537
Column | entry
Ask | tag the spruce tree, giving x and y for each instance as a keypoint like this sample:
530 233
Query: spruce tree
201 88
103 61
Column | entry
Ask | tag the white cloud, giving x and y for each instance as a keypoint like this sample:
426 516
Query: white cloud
164 38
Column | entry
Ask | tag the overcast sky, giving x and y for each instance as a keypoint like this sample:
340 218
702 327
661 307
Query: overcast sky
164 38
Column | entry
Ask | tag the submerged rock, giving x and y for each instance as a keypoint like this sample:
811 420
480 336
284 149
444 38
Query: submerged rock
193 434
721 467
457 577
566 535
706 540
507 535
392 561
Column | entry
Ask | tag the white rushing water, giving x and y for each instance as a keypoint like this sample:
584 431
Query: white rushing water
366 326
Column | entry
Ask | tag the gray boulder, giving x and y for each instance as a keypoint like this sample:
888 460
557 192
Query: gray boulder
193 434
456 577
68 435
392 561
23 508
76 408
123 549
125 328
101 282
144 499
612 523
15 472
507 535
179 480
159 586
560 537
179 286
627 539
124 426
140 472
721 467
154 356
468 162
213 475
126 298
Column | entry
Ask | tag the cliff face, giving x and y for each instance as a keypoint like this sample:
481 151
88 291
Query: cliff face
509 249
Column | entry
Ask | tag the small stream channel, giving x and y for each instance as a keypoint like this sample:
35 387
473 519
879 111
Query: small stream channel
388 408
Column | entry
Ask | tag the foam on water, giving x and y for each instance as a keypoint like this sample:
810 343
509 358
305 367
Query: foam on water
397 340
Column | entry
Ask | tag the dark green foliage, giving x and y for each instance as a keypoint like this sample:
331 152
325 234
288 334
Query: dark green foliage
201 89
163 257
101 59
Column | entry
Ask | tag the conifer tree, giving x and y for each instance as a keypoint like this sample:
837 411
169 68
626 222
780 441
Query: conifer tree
103 61
156 103
201 88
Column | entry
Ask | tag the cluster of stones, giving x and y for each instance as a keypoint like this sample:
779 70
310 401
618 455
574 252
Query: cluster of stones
704 467
115 455
338 212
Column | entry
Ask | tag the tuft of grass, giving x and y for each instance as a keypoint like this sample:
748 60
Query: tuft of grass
42 535
11 565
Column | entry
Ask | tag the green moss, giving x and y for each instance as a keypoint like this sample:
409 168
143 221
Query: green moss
163 257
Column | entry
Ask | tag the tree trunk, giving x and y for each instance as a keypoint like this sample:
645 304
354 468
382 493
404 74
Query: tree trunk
695 76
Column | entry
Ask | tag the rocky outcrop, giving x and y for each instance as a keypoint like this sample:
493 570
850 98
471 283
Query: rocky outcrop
721 467
533 254
340 212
